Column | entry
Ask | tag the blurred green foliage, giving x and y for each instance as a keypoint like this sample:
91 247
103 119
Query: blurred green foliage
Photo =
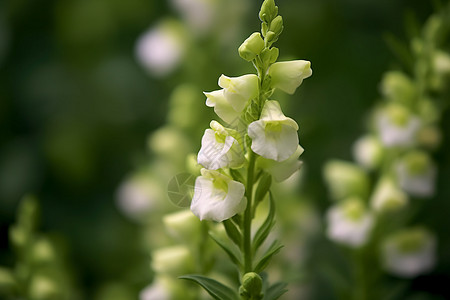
76 109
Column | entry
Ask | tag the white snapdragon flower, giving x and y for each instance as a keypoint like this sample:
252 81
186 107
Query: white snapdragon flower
274 136
159 289
349 223
217 197
183 225
220 149
199 14
397 126
172 260
409 253
230 101
285 169
161 48
416 174
368 151
138 195
388 196
288 75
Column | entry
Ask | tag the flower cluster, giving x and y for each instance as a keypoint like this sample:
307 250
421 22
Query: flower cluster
267 132
251 141
396 152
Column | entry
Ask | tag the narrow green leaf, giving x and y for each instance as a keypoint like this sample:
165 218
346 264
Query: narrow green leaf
265 228
237 220
275 291
216 289
231 252
400 50
233 233
263 187
237 176
273 249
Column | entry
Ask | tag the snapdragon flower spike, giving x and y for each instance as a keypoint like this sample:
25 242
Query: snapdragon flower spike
217 197
220 149
288 75
274 136
230 101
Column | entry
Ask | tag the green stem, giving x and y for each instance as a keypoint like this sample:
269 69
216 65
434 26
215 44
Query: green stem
248 263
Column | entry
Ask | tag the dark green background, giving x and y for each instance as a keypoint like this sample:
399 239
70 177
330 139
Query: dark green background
76 109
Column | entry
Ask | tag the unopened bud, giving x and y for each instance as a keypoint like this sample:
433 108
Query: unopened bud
251 47
268 11
251 286
277 25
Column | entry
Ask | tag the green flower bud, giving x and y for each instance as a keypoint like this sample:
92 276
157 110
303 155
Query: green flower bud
398 87
28 216
251 286
388 196
430 137
346 179
268 11
269 56
271 37
43 287
7 281
417 162
251 47
42 251
277 25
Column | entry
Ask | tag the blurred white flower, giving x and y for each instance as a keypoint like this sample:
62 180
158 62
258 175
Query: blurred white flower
183 225
397 126
161 48
172 260
138 195
441 62
217 197
349 223
274 136
388 196
220 149
288 75
198 14
409 253
368 151
285 169
157 290
416 174
229 102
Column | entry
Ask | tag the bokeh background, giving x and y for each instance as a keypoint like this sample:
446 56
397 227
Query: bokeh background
77 107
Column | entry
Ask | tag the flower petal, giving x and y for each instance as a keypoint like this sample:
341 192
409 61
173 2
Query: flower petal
288 76
216 204
221 106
